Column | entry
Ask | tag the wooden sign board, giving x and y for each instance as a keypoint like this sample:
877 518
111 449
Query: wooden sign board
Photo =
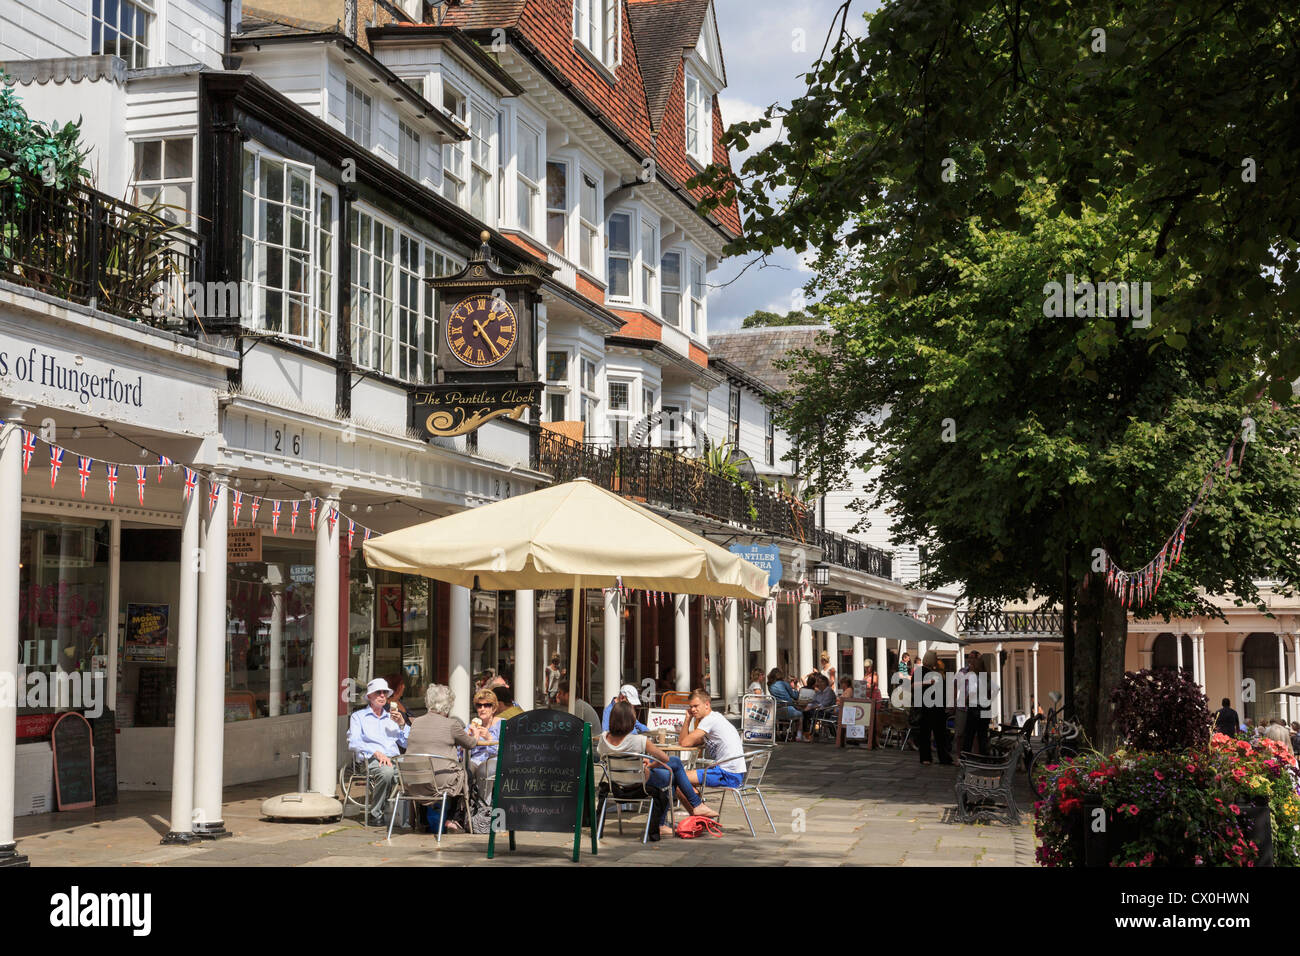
243 544
544 778
73 743
832 604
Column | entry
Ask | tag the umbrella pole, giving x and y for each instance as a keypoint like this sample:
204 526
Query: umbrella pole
573 650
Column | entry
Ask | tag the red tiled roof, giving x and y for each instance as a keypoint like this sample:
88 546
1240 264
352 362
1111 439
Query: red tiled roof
664 29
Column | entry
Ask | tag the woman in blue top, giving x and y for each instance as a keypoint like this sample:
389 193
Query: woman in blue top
787 700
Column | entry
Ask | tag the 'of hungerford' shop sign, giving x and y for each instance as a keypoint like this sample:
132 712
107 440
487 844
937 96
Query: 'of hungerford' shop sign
456 409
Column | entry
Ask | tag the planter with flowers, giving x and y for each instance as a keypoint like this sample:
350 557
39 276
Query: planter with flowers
1171 795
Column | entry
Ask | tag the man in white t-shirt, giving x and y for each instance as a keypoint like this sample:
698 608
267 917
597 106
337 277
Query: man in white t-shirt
722 746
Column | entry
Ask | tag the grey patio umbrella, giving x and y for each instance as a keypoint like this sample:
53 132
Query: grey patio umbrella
879 622
1291 689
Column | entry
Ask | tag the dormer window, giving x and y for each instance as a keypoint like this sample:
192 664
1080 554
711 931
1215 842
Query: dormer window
596 26
699 121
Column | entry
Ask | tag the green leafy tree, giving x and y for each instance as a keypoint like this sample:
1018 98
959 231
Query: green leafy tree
1014 464
946 109
761 318
52 152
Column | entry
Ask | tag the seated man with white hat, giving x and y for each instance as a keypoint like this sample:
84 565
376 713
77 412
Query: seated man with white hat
376 735
627 692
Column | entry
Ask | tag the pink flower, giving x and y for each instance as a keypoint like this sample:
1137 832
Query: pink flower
1132 809
1234 808
1159 775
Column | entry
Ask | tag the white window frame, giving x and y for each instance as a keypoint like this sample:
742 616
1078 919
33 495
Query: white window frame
139 50
356 97
598 26
455 184
561 211
410 151
649 259
665 289
629 255
561 386
158 187
769 437
619 420
698 303
530 189
698 119
481 155
588 394
588 228
733 416
257 246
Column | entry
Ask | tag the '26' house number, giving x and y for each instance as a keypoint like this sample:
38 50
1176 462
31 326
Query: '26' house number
287 443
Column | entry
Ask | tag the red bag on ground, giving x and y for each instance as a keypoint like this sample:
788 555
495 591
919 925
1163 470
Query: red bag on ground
692 827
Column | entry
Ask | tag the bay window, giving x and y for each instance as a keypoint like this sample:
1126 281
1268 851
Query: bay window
357 124
670 301
373 292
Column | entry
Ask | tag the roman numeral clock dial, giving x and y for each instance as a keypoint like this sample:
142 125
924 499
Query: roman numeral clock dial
482 330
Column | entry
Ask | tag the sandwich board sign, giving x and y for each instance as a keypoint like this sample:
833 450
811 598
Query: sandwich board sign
544 778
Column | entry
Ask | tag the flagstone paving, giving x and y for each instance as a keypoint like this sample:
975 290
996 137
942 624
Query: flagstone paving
831 807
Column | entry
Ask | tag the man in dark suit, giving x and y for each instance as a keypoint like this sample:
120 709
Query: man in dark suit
1226 720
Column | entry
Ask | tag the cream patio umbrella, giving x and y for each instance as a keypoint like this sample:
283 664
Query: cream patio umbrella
575 535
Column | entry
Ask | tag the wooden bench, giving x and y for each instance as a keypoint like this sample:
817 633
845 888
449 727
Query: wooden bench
984 785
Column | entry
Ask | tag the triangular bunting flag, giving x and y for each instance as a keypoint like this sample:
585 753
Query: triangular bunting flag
29 448
214 493
163 462
112 481
253 508
275 516
237 503
140 479
313 514
293 517
56 462
84 466
191 481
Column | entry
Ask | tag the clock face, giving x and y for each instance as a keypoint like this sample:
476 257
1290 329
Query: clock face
481 330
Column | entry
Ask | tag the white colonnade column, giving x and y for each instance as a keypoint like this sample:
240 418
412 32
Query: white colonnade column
999 707
731 644
805 639
1034 707
769 639
210 665
275 574
525 675
325 687
11 516
187 638
458 663
859 655
682 640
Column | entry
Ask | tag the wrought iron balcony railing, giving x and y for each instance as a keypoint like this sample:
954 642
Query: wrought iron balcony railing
84 246
1010 623
658 476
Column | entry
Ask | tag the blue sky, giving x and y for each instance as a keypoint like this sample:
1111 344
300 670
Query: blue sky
764 60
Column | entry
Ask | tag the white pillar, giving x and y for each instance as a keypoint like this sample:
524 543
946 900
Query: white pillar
460 680
525 676
187 637
833 650
11 508
1013 685
1178 651
730 641
1034 708
882 666
275 577
636 661
1200 639
1146 657
715 659
682 640
112 600
769 639
1281 673
325 652
612 649
805 639
1234 691
859 655
210 668
921 647
999 708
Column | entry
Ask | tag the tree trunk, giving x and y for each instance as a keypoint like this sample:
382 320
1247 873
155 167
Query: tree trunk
1100 636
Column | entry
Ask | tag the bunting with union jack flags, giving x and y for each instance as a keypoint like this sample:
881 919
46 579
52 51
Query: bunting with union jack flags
56 462
112 481
84 466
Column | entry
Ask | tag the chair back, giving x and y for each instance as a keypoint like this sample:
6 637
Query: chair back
624 772
675 698
439 773
756 762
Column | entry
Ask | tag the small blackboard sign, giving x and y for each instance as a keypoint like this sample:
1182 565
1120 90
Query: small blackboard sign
74 762
544 779
104 730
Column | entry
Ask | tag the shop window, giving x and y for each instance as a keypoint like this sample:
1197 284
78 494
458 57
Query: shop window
492 634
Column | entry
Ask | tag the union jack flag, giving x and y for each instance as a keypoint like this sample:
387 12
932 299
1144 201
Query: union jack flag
214 494
83 472
163 462
56 462
29 448
254 505
366 536
313 514
112 481
191 481
352 529
331 515
140 478
238 504
293 518
275 516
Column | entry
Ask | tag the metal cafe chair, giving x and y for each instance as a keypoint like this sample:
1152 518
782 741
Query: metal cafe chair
413 769
625 782
751 783
354 787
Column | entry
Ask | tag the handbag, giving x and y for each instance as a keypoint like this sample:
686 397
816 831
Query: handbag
692 827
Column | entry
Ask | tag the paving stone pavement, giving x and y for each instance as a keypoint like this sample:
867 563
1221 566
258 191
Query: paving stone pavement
831 807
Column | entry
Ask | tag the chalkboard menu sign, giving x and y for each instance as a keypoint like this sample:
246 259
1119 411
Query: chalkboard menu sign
544 781
155 700
104 731
74 762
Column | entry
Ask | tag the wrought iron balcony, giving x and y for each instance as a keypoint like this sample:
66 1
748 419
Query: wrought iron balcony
658 476
84 246
1001 622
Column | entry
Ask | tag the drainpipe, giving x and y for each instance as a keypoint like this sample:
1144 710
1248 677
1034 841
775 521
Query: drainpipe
229 62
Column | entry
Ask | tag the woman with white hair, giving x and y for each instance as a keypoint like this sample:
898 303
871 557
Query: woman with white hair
437 734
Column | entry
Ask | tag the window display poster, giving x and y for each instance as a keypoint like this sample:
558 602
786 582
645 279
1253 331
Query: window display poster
390 607
146 632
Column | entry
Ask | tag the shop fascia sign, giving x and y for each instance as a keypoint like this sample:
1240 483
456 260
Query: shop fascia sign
765 556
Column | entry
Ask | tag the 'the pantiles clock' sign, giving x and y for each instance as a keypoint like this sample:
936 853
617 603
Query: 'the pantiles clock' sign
456 409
